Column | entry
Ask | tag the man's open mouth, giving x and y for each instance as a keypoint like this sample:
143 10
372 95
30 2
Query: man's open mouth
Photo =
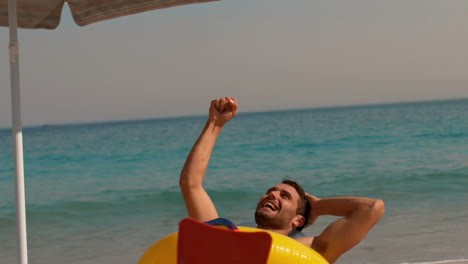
271 205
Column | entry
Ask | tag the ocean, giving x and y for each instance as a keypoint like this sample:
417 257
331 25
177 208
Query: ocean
105 192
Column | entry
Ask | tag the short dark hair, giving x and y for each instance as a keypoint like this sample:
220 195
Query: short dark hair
303 207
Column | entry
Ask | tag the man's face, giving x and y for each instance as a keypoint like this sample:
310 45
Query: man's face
277 208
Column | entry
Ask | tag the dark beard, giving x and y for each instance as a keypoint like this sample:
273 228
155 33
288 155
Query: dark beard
268 222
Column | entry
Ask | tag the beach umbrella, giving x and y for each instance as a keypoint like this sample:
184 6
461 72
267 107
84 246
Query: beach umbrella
45 14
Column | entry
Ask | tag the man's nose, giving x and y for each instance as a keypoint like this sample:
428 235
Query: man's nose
274 194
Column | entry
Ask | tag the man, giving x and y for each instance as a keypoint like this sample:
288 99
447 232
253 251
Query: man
283 207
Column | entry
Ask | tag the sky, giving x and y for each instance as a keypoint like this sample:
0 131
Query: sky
269 54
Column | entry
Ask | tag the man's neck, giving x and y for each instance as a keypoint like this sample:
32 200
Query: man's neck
284 231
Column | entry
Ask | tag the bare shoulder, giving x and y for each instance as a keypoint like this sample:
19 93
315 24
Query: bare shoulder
306 240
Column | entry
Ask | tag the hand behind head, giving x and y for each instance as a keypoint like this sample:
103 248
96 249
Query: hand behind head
312 201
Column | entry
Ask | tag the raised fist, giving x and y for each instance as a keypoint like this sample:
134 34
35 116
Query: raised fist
222 110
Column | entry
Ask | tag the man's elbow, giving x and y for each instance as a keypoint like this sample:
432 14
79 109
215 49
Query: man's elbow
377 209
188 184
184 184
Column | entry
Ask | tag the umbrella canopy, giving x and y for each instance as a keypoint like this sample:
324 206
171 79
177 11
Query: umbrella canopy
45 14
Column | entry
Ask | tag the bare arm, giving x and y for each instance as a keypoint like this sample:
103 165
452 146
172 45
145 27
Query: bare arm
198 203
359 216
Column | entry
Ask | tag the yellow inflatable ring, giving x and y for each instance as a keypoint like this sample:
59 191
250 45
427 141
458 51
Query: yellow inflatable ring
283 250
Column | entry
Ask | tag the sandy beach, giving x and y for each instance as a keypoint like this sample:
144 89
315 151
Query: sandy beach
464 261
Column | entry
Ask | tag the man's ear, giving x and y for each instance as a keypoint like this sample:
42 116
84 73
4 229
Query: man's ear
299 221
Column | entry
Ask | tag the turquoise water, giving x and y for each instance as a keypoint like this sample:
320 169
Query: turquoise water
104 192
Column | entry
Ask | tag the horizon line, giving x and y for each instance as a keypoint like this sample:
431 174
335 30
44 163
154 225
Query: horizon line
110 121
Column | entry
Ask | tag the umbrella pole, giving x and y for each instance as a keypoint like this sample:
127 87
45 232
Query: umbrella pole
17 134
